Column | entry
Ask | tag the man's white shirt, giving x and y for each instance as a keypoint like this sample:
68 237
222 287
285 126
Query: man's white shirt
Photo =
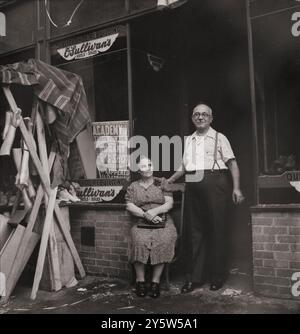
199 151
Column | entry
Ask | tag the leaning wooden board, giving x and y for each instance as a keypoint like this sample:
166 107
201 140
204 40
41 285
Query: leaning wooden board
85 145
5 230
9 251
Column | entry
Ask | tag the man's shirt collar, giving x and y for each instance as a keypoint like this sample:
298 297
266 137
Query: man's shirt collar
210 133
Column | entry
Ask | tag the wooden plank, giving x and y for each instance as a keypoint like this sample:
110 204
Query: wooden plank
40 131
17 202
54 260
66 260
5 230
33 241
69 241
16 272
9 252
52 246
44 242
85 142
18 216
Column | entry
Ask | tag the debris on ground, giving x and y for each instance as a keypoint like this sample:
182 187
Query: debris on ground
231 292
117 296
126 308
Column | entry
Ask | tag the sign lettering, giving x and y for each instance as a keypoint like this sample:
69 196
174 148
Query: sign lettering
99 190
88 48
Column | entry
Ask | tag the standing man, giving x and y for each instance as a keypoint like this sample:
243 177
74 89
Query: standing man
208 163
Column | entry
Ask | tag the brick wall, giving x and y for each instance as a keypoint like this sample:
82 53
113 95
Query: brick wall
276 251
110 254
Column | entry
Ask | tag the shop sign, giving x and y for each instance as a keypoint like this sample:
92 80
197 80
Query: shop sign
2 24
111 144
99 190
88 48
285 180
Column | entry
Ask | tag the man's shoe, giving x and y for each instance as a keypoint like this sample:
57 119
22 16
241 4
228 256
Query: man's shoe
188 287
154 291
216 286
140 289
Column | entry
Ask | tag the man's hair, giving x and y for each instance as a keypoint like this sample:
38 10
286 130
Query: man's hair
204 104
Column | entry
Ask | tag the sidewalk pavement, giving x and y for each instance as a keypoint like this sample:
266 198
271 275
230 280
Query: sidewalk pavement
95 295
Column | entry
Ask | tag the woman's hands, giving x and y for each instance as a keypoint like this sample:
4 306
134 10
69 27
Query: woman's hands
151 216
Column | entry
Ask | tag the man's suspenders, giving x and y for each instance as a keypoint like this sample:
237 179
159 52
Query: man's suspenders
216 153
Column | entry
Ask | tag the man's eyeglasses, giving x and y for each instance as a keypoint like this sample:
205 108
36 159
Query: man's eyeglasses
198 115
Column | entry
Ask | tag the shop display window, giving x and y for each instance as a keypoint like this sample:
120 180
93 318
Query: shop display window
100 59
20 28
104 75
276 53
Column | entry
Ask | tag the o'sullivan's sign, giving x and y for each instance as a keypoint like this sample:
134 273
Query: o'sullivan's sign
88 48
99 190
285 180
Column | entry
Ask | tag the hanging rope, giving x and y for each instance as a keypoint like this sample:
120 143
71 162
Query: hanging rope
69 22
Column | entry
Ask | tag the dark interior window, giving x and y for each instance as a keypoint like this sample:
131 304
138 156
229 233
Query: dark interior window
277 81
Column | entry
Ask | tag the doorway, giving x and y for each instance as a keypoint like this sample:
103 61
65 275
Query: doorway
205 49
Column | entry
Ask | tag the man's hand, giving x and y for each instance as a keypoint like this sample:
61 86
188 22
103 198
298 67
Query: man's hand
237 196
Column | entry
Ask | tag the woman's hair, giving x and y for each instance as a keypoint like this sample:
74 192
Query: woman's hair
142 157
136 175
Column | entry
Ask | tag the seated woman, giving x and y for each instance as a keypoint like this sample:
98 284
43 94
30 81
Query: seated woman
147 201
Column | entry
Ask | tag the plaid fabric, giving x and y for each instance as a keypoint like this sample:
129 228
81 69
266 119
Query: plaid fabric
60 89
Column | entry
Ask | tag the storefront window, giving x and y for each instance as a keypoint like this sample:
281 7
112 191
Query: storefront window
100 59
104 75
276 54
20 28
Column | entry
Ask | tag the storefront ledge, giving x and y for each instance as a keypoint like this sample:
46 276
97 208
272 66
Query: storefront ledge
95 206
102 206
275 208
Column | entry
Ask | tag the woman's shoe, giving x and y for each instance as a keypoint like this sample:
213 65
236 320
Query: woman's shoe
188 287
140 289
154 291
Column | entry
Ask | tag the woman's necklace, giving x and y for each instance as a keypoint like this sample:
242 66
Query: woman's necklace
146 184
